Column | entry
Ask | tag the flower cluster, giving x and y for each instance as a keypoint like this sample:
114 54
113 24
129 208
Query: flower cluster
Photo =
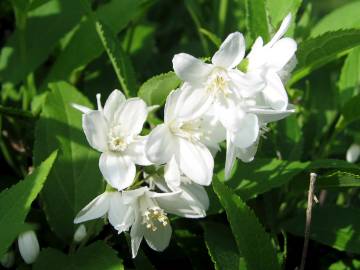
231 99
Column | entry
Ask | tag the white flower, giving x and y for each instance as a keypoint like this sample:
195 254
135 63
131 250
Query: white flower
109 202
149 216
114 131
80 233
182 135
353 153
28 246
272 61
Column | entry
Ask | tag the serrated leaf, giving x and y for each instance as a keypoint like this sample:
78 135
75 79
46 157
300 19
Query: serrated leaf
155 90
338 179
250 236
257 19
344 17
15 202
316 52
85 45
262 175
26 50
120 61
95 256
221 246
335 226
349 82
75 178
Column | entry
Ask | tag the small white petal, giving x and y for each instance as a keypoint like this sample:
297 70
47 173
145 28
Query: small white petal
230 156
96 130
130 196
136 151
191 69
281 53
132 116
28 246
172 174
282 30
248 131
81 108
195 161
114 102
160 146
119 171
353 153
95 209
247 154
231 51
270 115
117 210
274 93
136 235
158 240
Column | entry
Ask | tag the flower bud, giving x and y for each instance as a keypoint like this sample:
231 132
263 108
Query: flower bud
8 259
80 233
353 153
28 246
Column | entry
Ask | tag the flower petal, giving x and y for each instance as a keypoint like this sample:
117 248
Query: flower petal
270 115
282 30
117 211
195 161
353 153
136 234
28 246
172 174
95 128
136 151
160 146
231 51
281 53
274 93
160 238
247 154
81 108
230 156
132 116
95 209
119 171
247 132
191 69
114 102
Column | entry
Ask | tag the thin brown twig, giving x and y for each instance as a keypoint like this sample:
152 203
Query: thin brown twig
308 219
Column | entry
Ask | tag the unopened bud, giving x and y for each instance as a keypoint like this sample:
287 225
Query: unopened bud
80 233
8 259
353 153
28 246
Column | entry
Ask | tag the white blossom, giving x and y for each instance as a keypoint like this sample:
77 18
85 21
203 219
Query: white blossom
28 246
353 153
80 233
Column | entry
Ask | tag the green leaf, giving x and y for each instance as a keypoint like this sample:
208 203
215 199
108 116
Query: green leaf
349 82
316 52
15 202
85 45
155 90
250 236
278 9
120 61
338 179
262 175
345 17
336 226
28 49
95 256
257 19
221 246
351 110
75 179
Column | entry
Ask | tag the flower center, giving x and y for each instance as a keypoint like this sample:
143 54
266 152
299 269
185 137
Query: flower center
189 130
217 83
155 216
116 141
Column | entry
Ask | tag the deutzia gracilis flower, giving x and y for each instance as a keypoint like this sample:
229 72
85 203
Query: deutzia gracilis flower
273 61
353 153
182 135
149 220
109 202
114 131
80 233
28 246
